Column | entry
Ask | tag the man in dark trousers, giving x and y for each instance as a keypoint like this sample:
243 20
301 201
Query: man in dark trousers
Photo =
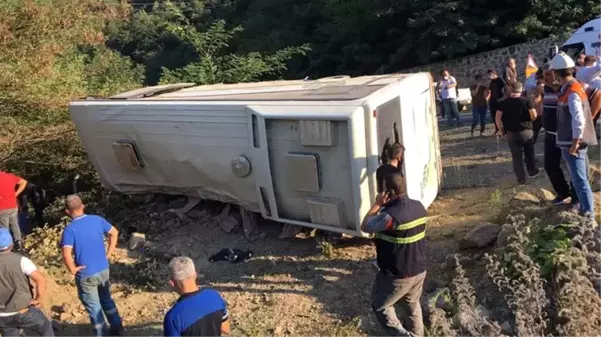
496 93
514 119
18 308
552 159
399 224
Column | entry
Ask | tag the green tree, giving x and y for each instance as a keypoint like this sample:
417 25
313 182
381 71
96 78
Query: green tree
42 66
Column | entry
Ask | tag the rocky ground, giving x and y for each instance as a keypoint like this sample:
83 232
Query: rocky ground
307 285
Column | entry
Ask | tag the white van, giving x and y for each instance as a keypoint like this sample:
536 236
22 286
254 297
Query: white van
587 40
298 152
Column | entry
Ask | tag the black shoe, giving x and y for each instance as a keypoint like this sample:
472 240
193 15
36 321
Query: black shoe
534 174
17 246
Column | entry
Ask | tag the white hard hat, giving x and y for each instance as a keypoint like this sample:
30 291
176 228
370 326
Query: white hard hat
562 61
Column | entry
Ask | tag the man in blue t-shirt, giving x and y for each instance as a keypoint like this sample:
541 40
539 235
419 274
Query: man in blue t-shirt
198 312
85 257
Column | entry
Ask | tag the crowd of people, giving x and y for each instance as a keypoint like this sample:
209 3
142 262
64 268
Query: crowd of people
563 97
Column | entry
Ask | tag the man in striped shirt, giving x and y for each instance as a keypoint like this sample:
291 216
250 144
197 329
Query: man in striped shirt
399 225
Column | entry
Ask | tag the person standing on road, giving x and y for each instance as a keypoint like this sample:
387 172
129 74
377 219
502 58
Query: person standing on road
514 120
19 309
552 160
448 92
496 94
198 312
85 257
9 211
399 224
575 131
480 95
511 74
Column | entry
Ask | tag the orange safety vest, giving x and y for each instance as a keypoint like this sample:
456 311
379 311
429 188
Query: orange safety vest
564 117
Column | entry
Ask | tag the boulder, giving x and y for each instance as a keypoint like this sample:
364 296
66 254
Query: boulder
136 240
466 261
480 237
503 237
482 311
451 261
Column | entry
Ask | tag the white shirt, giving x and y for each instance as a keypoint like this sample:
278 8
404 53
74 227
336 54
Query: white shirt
445 91
577 112
28 268
587 74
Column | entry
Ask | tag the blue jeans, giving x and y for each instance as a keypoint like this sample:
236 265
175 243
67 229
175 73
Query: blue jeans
479 116
33 322
578 167
95 295
451 110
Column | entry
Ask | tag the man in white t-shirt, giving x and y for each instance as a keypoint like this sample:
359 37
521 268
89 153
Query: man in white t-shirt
448 92
19 310
590 70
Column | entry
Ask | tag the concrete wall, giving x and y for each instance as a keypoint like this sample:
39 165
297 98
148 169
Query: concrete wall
464 69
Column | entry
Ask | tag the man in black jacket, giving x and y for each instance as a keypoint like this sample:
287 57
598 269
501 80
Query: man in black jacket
399 224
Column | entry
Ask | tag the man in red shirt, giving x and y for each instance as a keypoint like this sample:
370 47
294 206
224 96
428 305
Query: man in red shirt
9 215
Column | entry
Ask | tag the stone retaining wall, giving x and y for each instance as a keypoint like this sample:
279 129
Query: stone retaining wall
464 69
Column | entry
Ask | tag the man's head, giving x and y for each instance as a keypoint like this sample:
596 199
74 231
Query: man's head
492 74
511 62
396 151
548 74
580 59
74 206
6 240
589 61
516 88
563 65
444 73
182 274
395 182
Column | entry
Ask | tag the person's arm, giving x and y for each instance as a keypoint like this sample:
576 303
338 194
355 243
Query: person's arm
578 120
374 221
225 320
40 288
486 93
531 110
67 243
21 185
498 121
452 83
38 279
113 235
69 261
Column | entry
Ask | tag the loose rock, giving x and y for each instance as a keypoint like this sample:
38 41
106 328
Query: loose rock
482 311
451 261
503 237
545 194
506 328
480 237
136 240
525 196
466 261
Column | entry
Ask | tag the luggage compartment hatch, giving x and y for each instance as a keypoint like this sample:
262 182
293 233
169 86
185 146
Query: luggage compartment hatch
302 172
